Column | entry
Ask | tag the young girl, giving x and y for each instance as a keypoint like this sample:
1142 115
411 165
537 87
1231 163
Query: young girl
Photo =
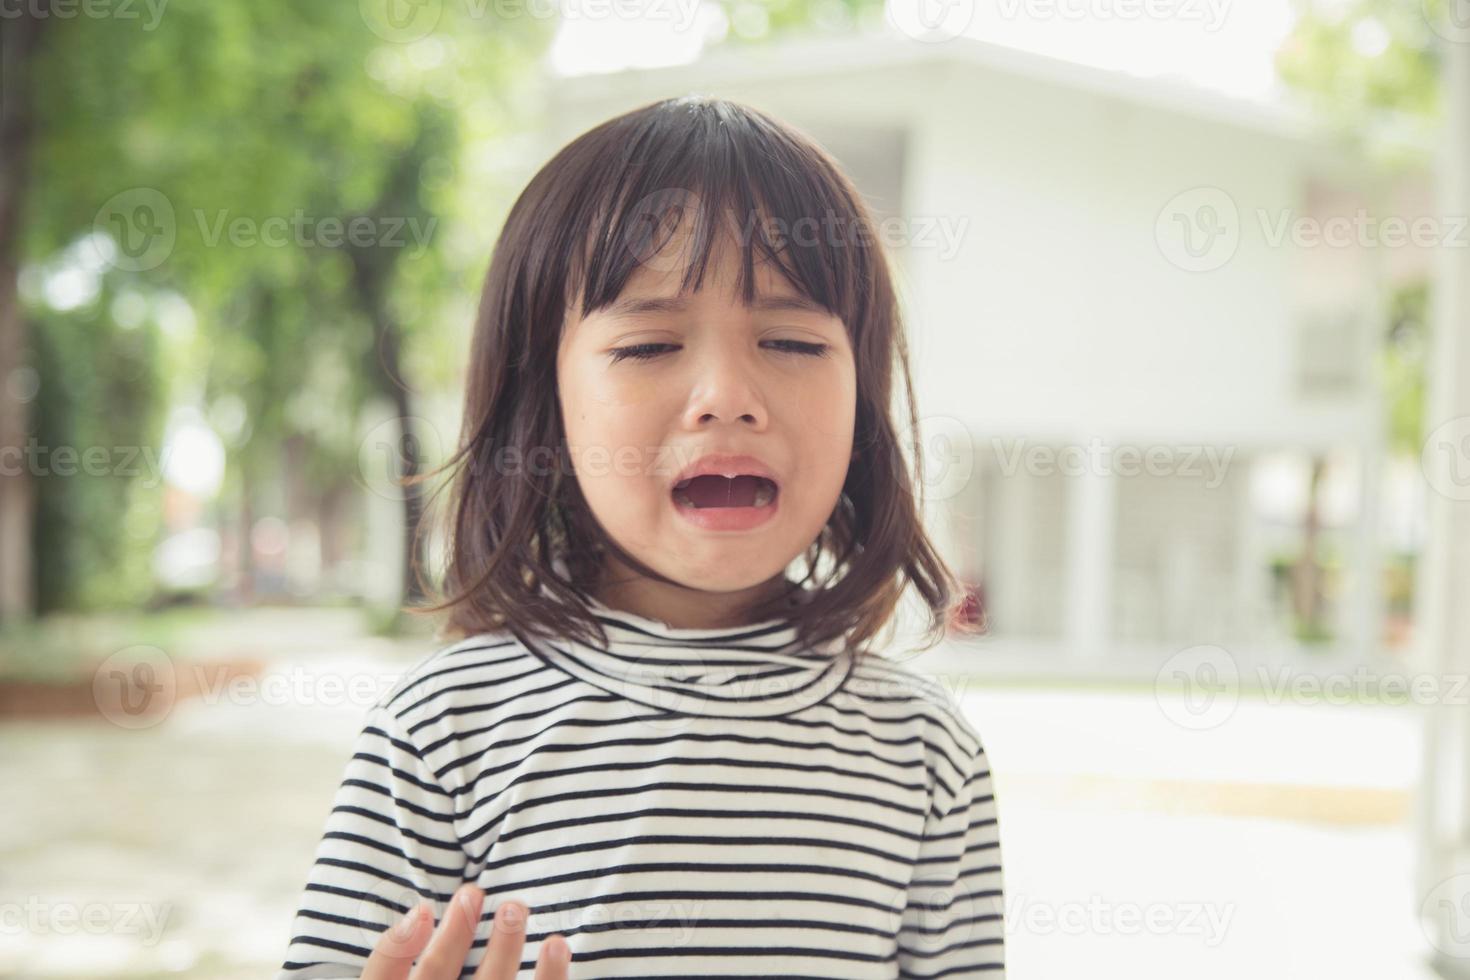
668 756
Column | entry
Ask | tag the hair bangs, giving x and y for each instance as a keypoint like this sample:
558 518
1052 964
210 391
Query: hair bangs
697 184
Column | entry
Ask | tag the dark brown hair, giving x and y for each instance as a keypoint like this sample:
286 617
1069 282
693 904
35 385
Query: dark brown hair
580 229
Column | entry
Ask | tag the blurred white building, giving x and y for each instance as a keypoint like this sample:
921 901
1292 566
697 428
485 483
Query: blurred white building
1133 326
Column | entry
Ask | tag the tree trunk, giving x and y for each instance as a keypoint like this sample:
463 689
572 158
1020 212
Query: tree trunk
245 585
1307 574
410 454
372 271
19 36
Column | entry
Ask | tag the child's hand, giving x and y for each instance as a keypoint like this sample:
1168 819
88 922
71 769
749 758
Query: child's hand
392 958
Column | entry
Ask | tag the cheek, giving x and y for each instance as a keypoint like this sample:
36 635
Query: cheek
613 432
822 440
826 404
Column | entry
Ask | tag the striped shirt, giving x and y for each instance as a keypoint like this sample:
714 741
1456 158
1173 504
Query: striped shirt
677 802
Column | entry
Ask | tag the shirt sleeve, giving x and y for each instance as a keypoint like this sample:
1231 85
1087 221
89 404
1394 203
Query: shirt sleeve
390 840
953 923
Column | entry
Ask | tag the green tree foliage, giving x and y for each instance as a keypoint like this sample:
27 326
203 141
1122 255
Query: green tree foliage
96 474
1370 67
1365 56
1373 67
231 149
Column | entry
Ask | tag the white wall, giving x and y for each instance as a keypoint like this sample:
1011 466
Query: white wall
1061 313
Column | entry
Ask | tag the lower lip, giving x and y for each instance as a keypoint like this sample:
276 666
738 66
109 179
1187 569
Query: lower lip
728 518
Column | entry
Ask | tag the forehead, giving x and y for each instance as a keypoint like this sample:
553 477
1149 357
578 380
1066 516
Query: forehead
663 274
656 282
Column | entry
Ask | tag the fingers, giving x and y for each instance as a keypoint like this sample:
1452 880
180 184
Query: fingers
502 960
450 945
393 954
555 957
507 938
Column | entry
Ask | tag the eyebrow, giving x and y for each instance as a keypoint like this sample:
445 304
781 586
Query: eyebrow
636 306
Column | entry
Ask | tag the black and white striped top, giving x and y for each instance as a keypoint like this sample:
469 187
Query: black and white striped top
683 802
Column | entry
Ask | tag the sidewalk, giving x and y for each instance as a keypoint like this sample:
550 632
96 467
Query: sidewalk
1135 847
1272 846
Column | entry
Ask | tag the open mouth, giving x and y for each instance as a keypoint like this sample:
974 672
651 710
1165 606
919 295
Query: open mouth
714 491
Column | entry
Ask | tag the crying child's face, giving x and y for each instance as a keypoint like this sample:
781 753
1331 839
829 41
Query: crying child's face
648 389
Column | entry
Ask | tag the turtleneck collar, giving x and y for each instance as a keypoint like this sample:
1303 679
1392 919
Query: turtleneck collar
759 670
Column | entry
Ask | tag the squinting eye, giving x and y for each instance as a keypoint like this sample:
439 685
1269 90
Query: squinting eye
643 352
801 347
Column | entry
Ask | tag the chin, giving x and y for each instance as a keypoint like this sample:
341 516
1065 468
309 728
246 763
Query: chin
724 573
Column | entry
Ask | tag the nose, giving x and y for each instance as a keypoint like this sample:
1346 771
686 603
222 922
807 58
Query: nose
726 389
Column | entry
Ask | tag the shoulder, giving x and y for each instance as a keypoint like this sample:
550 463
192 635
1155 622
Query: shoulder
878 680
441 678
951 742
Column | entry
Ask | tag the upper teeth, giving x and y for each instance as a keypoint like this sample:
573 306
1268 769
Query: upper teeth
729 476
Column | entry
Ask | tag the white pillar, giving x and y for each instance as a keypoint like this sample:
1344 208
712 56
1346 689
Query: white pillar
1248 619
1365 607
1363 622
1443 610
1091 506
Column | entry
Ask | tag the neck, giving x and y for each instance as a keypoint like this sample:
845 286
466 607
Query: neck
681 607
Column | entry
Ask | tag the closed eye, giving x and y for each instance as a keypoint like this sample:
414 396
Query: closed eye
644 352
